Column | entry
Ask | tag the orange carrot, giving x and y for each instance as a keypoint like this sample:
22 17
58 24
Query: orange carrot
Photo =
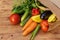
27 24
31 27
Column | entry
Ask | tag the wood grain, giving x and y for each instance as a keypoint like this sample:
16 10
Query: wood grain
14 32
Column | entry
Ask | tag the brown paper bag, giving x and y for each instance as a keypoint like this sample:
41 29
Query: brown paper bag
55 10
52 7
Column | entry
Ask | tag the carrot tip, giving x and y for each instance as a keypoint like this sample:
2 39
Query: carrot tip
24 34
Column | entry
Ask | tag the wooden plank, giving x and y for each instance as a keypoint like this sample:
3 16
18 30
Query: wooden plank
57 3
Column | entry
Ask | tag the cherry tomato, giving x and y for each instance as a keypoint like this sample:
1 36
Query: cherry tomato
35 11
14 18
44 25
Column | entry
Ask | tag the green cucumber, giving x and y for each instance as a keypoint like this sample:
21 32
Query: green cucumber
25 15
24 22
34 33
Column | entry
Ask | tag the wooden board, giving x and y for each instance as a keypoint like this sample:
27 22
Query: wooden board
57 3
14 32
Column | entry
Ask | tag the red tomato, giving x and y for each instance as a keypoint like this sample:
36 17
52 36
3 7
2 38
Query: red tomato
44 28
14 18
35 11
44 25
45 22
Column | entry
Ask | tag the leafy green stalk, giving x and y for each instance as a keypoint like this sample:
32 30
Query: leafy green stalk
40 5
25 14
21 8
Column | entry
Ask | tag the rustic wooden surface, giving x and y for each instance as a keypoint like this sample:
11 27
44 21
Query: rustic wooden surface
14 32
